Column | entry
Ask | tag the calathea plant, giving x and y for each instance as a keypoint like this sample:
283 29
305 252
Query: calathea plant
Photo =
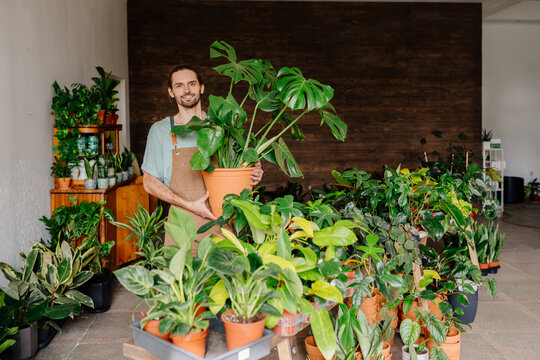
231 137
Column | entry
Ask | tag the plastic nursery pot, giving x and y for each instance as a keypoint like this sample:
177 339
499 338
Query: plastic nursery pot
484 268
406 356
63 183
289 324
313 351
26 344
387 351
195 343
493 267
452 345
99 289
469 311
239 334
225 181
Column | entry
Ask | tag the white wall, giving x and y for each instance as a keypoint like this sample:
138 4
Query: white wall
511 85
40 42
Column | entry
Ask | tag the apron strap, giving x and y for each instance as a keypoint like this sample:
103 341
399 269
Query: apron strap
173 136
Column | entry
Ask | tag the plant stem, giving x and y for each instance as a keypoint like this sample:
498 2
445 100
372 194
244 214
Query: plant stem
250 128
282 131
230 88
274 121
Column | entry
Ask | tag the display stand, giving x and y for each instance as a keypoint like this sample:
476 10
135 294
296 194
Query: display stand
493 158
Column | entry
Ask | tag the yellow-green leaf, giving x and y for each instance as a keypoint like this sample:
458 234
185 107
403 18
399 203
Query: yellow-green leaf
304 224
279 261
219 296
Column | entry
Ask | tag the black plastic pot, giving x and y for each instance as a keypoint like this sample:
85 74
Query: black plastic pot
45 336
99 289
469 311
26 344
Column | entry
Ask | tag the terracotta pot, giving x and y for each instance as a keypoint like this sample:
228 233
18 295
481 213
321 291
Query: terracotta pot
201 310
195 343
387 351
434 307
395 319
358 355
313 351
152 327
410 314
484 266
101 115
241 334
225 181
370 308
64 183
452 345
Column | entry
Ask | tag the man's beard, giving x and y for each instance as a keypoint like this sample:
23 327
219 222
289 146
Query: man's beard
189 104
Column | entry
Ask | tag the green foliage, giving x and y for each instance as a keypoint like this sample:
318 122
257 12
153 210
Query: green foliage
102 165
105 90
89 168
229 135
147 230
127 159
6 322
61 169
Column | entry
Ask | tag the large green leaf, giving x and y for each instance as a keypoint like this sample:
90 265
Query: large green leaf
299 93
285 159
199 162
80 297
338 127
266 100
454 213
184 221
209 139
135 279
409 331
29 264
219 296
64 271
248 70
334 236
226 112
326 291
178 262
225 262
81 278
61 311
323 331
253 214
284 245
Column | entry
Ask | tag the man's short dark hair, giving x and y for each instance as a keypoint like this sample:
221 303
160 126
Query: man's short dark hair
184 67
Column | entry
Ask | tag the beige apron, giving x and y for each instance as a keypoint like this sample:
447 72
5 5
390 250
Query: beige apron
189 185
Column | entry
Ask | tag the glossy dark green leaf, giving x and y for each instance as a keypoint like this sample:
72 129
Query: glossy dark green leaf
199 161
338 127
224 261
251 155
247 70
209 139
285 159
297 92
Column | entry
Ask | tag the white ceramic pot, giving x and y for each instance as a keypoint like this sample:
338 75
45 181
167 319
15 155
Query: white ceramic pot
112 181
125 175
406 356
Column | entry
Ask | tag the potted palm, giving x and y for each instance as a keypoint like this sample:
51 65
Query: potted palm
228 141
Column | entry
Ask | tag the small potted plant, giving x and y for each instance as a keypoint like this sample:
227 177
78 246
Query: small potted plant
245 286
61 170
104 91
116 159
90 182
230 138
127 160
102 181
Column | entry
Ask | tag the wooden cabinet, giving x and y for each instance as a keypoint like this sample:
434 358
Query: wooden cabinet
122 199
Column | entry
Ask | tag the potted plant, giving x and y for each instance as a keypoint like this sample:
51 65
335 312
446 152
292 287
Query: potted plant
177 293
127 160
147 230
61 170
116 159
227 135
495 244
245 286
104 94
102 181
90 182
7 330
486 139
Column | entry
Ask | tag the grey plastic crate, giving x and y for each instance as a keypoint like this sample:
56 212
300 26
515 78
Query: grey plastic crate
216 345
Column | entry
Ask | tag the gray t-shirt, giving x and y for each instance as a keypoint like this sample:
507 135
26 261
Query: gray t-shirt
157 159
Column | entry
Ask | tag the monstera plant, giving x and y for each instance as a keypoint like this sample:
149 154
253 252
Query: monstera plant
229 133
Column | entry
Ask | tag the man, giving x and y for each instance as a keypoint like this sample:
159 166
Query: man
167 172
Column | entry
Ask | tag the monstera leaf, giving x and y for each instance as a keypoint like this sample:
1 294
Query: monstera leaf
226 111
299 93
338 127
247 70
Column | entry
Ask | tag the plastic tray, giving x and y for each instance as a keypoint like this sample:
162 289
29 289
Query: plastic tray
216 345
290 324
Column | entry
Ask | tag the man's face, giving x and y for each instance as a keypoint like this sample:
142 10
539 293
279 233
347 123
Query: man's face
186 89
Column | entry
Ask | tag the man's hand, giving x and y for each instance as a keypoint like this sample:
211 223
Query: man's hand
256 174
200 208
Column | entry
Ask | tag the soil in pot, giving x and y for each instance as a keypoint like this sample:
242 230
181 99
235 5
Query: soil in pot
313 351
99 289
195 342
239 334
452 345
225 181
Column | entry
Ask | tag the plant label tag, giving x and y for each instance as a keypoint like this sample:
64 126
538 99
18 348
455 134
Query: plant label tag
244 354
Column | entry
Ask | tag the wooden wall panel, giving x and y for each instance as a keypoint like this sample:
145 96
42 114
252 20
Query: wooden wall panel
400 70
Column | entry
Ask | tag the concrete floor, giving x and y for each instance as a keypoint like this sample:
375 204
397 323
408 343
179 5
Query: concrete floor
507 327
